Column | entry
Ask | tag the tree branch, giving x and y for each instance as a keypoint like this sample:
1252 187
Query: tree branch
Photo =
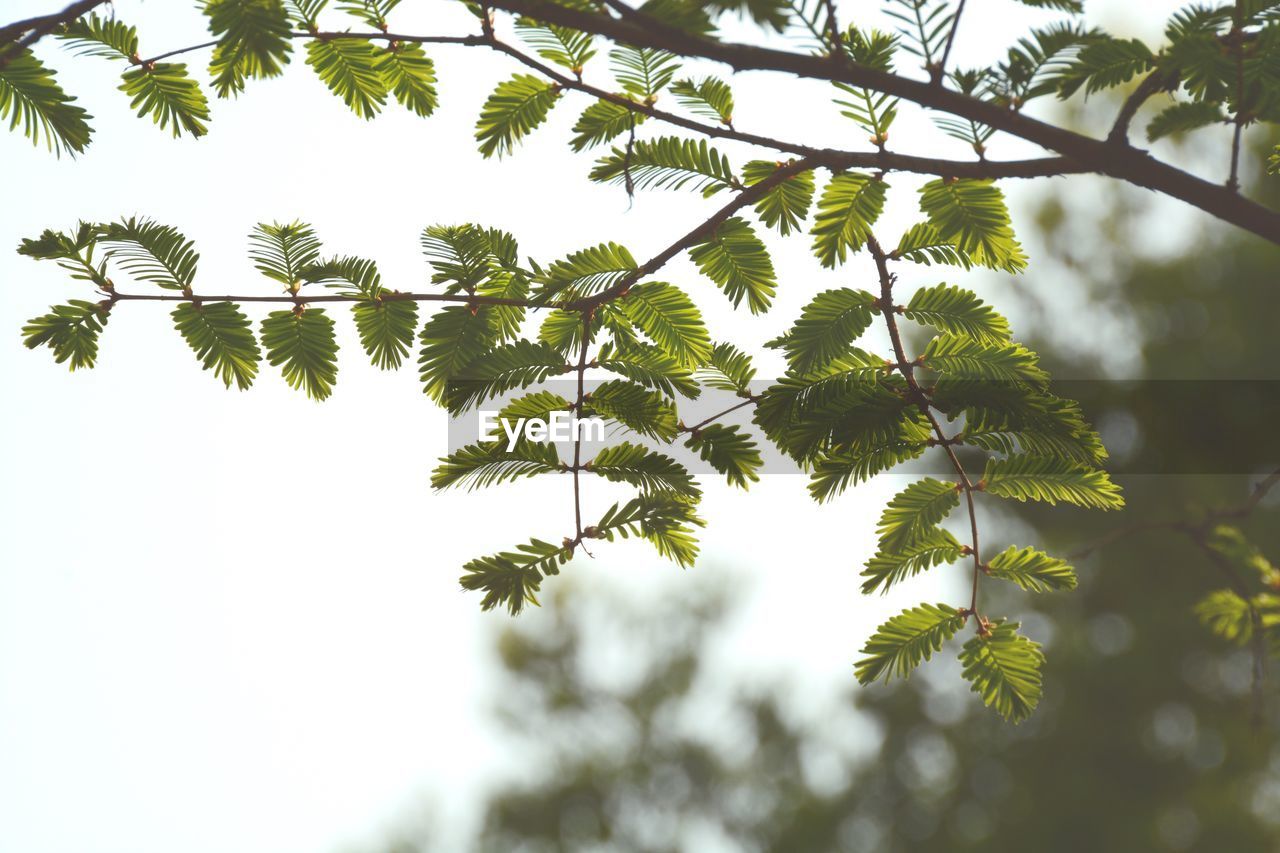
906 367
22 34
1124 163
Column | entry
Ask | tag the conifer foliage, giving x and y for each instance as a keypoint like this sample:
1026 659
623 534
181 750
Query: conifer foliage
498 323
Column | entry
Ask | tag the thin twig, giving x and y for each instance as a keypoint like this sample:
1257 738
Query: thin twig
906 368
938 73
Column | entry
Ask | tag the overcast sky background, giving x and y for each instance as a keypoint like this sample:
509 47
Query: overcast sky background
231 621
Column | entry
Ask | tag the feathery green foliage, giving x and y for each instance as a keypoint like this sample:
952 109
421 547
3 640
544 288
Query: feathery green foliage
667 162
1034 571
957 312
737 260
933 547
972 215
164 91
513 111
70 330
907 640
849 206
651 472
492 462
222 338
253 42
914 512
31 98
670 320
349 67
831 321
709 97
1052 480
302 344
729 451
786 205
152 252
1004 668
601 122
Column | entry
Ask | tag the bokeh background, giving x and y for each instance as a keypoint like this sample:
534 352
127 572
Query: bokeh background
232 621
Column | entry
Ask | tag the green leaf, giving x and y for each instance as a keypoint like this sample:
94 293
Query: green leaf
836 471
1004 668
1184 116
785 205
282 251
601 122
924 244
513 111
1011 417
664 520
164 91
386 330
971 214
643 72
670 319
907 640
1051 480
849 206
736 260
451 340
539 405
491 462
587 272
71 331
1104 63
513 578
496 371
350 68
1227 615
32 98
107 37
152 252
914 512
650 366
957 311
728 369
565 47
802 412
304 347
728 450
1034 571
873 111
635 407
932 548
222 338
562 331
710 98
72 252
827 328
645 469
667 162
253 42
967 358
411 76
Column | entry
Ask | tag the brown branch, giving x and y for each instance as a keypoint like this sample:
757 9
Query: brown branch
1155 82
1121 162
750 401
22 34
906 367
938 73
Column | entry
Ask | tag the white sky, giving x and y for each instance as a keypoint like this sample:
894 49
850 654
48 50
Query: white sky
231 621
